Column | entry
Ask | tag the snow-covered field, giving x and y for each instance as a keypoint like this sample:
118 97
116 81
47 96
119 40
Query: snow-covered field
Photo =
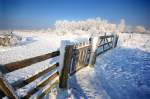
121 73
34 44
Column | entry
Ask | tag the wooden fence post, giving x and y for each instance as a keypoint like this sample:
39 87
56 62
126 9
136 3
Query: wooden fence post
94 42
6 88
65 69
115 40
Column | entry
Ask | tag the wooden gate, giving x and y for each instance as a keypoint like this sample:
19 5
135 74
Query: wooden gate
106 43
80 57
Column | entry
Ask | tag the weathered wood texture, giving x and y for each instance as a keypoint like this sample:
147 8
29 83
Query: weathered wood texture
22 83
65 69
106 43
27 62
80 57
10 89
7 88
40 85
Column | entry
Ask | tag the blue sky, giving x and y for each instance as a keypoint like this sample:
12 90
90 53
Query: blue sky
43 13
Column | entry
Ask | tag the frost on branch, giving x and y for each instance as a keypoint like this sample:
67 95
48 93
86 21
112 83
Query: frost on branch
122 26
89 26
140 29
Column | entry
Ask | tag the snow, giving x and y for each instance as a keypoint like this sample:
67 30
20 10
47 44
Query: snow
124 73
63 45
35 47
23 91
120 73
135 41
34 44
85 85
24 73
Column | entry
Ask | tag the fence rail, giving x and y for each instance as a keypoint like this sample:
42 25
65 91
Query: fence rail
80 57
27 62
10 89
76 57
105 43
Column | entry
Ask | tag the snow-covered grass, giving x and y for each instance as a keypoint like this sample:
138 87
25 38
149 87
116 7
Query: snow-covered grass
123 71
135 41
34 44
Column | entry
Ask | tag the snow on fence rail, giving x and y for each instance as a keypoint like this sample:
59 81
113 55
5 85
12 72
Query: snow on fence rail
80 57
84 54
73 57
10 90
105 43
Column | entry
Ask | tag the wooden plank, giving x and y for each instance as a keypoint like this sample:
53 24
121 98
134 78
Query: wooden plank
107 42
116 40
80 57
47 90
85 57
31 92
3 70
65 69
89 55
73 60
107 36
27 62
103 51
84 47
20 84
100 41
77 60
6 88
104 44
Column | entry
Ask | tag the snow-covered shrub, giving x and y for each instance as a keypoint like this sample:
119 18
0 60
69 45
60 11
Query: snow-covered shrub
122 26
96 25
140 29
88 26
9 39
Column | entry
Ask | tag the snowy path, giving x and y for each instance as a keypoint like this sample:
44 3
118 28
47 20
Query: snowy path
86 84
125 73
121 73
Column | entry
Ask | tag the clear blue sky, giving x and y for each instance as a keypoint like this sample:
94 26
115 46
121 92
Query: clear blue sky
43 13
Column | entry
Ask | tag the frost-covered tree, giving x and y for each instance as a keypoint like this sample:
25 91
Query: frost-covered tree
89 26
122 26
140 29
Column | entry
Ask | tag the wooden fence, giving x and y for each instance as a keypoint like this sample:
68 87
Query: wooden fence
76 56
106 43
10 89
79 56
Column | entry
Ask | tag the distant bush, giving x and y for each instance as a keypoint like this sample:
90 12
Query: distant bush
90 26
9 39
140 29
